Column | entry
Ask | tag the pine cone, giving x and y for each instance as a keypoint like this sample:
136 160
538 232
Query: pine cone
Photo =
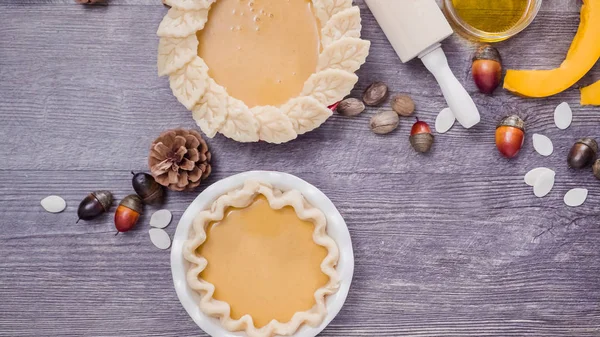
179 159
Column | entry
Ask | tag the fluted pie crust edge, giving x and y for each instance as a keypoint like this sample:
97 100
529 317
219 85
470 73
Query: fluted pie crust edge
277 199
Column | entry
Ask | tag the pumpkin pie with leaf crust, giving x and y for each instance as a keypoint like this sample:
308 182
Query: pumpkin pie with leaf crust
260 69
262 261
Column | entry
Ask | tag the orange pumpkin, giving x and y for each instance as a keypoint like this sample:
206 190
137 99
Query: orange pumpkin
583 54
590 95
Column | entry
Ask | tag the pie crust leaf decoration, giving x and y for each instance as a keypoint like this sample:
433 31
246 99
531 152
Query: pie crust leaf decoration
329 86
277 199
189 83
342 54
346 23
347 54
174 53
189 4
325 9
275 127
306 113
210 113
181 23
240 125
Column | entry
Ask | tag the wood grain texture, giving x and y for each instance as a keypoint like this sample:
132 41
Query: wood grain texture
452 243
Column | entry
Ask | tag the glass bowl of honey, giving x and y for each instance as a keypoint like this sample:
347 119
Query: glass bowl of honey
491 20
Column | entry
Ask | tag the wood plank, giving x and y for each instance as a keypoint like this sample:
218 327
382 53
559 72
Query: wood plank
421 269
78 100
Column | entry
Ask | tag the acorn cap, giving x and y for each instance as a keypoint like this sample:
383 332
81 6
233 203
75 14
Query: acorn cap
104 197
514 121
487 52
596 169
591 142
156 196
147 188
133 202
421 142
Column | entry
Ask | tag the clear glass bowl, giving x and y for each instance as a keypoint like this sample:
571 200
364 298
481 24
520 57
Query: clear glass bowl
465 29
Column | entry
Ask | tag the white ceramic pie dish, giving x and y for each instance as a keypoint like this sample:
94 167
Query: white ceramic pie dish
336 228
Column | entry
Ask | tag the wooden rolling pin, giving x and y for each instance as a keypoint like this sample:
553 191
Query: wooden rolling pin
415 28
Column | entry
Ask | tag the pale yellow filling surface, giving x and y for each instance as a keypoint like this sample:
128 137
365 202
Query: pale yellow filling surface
261 51
263 262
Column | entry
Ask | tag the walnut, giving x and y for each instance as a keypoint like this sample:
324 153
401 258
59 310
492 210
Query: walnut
384 122
403 105
375 94
350 107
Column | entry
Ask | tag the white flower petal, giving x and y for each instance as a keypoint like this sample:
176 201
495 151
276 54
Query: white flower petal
563 116
54 204
576 197
161 218
532 176
160 238
542 144
444 121
544 184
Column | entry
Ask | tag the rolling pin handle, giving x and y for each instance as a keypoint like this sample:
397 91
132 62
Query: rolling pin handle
458 99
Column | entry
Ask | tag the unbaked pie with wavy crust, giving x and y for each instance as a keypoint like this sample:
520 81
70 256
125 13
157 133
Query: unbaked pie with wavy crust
262 261
260 69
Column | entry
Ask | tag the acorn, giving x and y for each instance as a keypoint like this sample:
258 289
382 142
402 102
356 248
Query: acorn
487 69
94 204
510 135
583 153
128 213
596 169
151 192
421 138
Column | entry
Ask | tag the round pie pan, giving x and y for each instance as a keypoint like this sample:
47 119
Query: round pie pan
336 228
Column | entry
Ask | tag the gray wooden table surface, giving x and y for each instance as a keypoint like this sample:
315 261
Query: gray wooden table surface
452 243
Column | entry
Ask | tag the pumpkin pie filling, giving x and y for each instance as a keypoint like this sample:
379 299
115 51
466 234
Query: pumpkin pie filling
263 262
261 51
